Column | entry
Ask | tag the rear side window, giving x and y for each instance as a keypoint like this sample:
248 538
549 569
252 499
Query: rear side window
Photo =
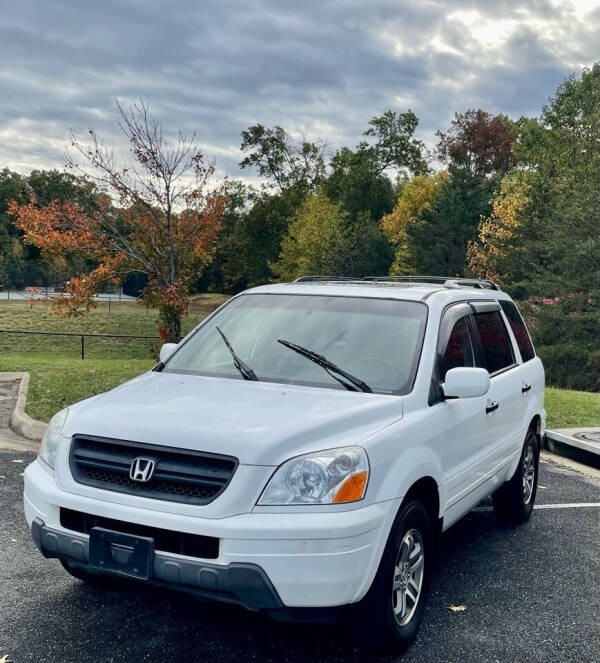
459 351
519 330
495 342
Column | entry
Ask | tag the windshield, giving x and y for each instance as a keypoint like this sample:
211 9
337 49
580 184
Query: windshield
375 340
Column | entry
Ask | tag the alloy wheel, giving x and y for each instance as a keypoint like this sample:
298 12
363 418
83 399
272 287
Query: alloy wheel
408 577
528 474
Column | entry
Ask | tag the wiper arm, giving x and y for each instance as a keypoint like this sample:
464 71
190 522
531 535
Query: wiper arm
246 372
329 366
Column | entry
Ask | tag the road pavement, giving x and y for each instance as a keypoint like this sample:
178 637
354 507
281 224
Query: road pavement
527 594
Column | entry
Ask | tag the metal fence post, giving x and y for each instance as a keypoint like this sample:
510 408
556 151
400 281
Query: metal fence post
82 346
109 304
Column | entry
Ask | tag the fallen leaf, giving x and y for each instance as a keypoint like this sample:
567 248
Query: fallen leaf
5 659
14 540
542 487
14 461
21 474
454 608
2 476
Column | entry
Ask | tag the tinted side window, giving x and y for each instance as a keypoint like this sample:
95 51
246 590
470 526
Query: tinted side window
459 350
497 350
519 330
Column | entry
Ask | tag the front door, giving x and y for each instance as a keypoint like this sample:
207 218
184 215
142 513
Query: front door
465 418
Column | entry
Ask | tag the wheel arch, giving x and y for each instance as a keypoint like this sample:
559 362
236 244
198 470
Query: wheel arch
426 491
536 426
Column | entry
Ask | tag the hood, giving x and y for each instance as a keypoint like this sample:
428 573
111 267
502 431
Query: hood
260 423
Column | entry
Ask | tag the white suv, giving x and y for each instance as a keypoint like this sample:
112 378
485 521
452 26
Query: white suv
302 450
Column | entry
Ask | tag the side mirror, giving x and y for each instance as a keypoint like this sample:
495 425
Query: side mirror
166 350
466 382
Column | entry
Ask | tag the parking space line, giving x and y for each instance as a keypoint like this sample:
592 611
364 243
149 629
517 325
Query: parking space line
574 505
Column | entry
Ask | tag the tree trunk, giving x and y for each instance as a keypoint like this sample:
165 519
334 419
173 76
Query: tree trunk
172 323
175 328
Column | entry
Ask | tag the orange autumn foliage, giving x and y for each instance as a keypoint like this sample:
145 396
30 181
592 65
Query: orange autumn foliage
159 218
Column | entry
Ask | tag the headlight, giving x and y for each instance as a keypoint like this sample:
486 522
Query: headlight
51 439
325 477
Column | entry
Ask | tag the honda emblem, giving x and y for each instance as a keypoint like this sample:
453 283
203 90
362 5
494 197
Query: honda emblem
141 469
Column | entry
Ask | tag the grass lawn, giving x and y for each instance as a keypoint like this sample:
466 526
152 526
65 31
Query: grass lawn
125 318
55 383
567 409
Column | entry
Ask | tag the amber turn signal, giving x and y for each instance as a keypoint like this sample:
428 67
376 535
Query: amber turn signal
352 488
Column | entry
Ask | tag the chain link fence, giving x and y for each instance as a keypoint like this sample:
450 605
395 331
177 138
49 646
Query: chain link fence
77 346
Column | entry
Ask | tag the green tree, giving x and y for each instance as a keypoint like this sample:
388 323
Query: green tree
357 183
365 251
395 145
212 277
543 236
285 159
439 216
13 258
416 197
255 241
510 246
438 241
313 243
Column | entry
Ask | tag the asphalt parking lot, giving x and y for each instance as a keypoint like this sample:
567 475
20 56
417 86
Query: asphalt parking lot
526 594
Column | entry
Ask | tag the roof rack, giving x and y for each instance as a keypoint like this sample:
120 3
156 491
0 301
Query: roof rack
308 278
444 281
447 281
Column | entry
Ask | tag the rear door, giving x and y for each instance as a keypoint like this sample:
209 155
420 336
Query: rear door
532 372
504 406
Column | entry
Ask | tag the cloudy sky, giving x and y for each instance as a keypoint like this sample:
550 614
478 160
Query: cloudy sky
324 67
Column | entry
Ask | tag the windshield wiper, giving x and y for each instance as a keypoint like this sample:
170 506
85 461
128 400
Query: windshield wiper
355 383
246 372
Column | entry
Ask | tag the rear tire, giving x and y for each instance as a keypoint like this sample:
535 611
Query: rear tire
513 502
389 616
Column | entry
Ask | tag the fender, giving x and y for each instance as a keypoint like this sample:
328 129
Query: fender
400 455
406 451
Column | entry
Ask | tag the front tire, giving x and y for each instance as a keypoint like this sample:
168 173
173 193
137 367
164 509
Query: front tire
513 502
95 579
389 616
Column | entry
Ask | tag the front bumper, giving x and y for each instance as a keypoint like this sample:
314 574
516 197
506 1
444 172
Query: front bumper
266 560
246 584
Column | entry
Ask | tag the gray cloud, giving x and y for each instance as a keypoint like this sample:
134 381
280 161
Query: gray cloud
322 67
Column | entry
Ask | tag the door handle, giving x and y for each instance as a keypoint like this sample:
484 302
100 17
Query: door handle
525 388
491 406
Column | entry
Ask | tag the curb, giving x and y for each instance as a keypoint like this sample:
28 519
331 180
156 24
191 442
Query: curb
20 422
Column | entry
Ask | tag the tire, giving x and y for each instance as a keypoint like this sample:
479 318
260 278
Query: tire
96 579
381 621
513 502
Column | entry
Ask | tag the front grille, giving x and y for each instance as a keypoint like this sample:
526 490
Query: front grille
191 545
180 475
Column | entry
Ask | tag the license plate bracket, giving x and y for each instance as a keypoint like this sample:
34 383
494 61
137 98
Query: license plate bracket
121 554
